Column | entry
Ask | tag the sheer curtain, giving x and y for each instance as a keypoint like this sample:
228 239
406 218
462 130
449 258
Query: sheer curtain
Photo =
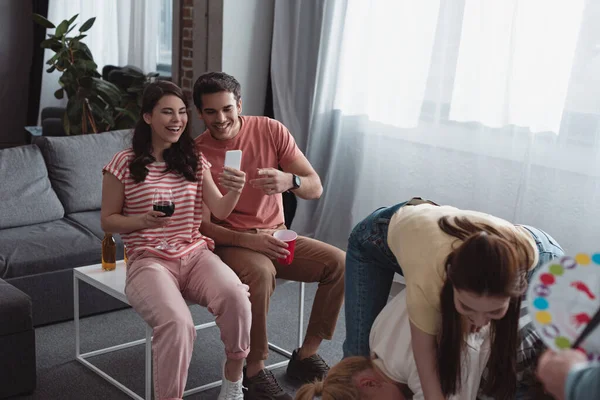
492 106
125 33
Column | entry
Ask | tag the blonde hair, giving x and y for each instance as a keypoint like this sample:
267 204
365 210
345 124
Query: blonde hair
339 382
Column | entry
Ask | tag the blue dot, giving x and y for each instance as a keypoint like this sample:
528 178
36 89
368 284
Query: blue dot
540 303
596 258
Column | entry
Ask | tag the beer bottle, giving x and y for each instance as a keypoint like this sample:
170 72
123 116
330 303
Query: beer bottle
109 252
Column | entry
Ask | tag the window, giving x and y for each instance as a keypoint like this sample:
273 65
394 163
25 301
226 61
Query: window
165 44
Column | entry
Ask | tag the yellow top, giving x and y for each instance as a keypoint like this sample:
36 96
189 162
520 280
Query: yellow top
421 249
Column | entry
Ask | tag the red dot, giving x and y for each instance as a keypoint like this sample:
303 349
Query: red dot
547 279
582 351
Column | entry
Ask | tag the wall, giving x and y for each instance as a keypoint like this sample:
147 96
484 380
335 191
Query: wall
16 33
247 32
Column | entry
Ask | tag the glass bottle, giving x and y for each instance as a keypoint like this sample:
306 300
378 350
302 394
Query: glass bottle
109 252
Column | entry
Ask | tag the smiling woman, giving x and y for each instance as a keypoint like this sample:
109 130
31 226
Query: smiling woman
169 260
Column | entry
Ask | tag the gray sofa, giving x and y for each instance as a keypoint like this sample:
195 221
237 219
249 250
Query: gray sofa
50 194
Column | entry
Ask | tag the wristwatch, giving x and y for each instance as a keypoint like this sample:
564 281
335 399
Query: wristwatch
296 181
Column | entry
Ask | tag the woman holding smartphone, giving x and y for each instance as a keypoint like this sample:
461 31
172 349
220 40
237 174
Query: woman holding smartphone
154 195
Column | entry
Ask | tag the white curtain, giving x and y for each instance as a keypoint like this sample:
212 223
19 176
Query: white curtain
125 33
492 106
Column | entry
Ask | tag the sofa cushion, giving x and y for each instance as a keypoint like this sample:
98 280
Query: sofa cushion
91 221
26 194
50 246
15 310
75 166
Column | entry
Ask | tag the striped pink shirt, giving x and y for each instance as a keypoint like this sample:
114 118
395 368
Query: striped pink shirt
183 231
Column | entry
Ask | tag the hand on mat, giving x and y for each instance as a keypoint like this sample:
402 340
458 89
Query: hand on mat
267 245
233 180
272 181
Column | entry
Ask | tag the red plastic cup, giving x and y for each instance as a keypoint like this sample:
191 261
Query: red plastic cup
289 237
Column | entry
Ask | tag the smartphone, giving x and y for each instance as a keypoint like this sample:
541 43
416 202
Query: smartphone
233 159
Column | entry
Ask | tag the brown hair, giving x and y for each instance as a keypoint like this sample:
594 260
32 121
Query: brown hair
490 262
181 157
215 82
339 382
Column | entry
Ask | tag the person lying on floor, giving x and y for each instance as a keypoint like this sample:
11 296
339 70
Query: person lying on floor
391 372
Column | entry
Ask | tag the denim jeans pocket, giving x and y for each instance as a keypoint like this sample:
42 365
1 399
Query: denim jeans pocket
378 238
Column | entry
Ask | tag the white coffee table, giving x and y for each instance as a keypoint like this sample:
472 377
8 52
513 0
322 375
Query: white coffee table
113 284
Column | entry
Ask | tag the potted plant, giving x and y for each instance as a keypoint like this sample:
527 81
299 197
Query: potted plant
94 105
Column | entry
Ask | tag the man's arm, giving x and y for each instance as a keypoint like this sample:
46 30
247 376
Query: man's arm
260 242
222 236
310 187
273 181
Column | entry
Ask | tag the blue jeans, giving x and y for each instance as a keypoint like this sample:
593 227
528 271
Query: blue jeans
370 268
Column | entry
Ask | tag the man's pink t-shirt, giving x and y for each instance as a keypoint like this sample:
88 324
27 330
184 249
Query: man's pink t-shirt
264 143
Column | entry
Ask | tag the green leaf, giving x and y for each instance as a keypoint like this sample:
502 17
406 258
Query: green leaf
103 114
78 38
86 82
61 29
59 94
38 19
73 18
108 91
87 24
55 57
82 47
48 43
127 113
71 28
51 69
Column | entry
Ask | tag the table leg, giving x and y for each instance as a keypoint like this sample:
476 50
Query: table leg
76 314
148 362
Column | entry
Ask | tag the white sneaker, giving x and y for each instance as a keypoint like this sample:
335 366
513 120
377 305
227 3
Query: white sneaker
230 390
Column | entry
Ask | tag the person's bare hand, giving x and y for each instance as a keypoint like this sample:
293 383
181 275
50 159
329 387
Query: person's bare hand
267 245
553 368
154 219
233 180
272 181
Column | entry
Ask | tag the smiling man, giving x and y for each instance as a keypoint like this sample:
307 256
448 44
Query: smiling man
274 164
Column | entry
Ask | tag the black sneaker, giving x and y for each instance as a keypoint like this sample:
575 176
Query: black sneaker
307 370
263 386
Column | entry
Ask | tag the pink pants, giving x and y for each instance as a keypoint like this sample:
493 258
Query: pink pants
157 289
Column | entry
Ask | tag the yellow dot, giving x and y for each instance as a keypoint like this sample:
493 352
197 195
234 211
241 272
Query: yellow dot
543 317
583 259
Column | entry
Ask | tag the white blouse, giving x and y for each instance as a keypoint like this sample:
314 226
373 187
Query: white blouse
390 343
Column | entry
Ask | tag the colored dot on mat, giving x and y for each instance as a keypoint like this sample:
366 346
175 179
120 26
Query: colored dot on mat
543 317
562 342
583 259
582 351
596 258
547 279
568 262
540 303
557 269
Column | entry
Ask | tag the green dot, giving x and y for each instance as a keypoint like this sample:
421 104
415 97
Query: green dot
562 342
557 269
